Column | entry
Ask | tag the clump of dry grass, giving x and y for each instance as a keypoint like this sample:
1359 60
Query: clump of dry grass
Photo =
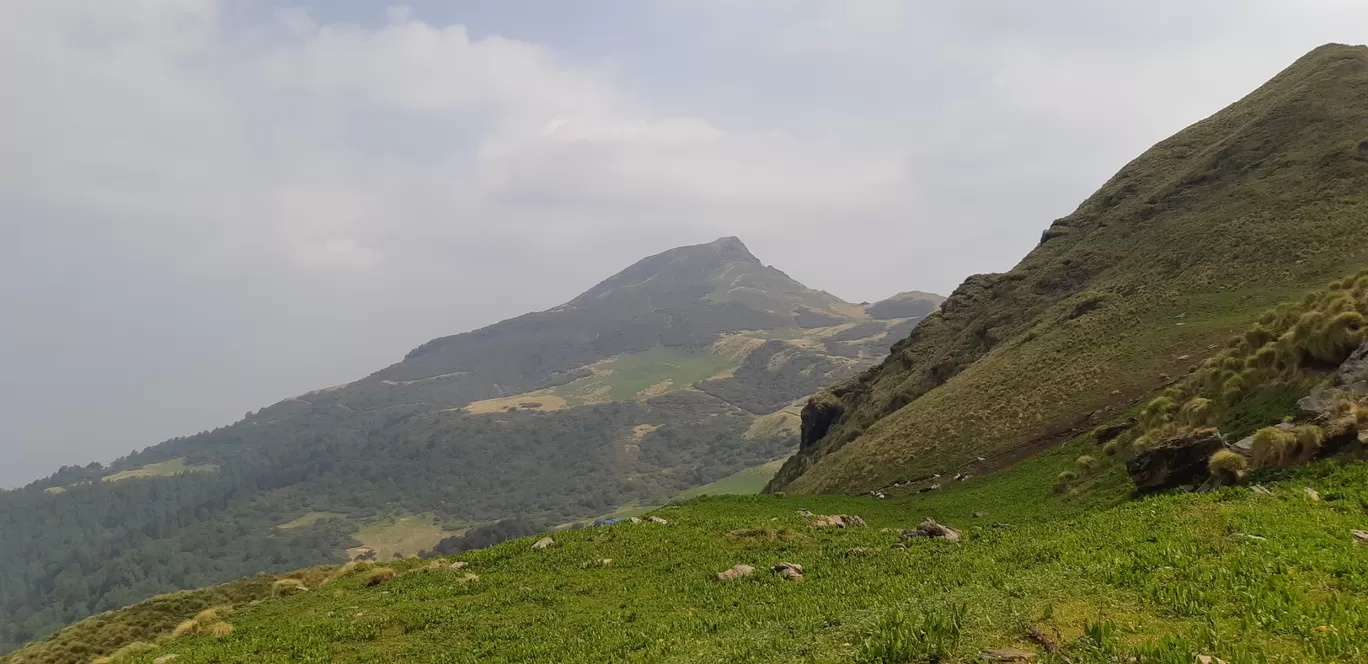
379 575
185 628
220 629
1280 448
287 587
1227 467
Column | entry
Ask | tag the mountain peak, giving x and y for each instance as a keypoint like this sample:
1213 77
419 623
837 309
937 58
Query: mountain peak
682 268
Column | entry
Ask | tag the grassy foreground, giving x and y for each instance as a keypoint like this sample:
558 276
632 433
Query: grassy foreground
1235 574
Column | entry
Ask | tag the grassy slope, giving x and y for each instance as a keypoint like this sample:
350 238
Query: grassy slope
1167 576
1185 245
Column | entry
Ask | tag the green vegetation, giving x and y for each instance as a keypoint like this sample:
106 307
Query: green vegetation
1182 248
748 481
1231 574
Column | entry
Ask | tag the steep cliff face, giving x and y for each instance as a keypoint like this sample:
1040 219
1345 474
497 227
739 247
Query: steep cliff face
1185 244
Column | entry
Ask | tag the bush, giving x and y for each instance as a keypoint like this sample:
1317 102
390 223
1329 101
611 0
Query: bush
1280 448
186 628
287 587
1198 412
1086 462
220 629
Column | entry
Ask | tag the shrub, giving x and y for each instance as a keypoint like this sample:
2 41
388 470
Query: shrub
1227 467
1158 411
1086 462
1063 479
1112 448
1198 412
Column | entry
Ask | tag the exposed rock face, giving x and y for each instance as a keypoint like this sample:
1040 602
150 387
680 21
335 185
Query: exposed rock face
1174 462
1351 377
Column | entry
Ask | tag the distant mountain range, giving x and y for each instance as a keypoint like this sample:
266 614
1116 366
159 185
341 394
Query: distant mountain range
684 368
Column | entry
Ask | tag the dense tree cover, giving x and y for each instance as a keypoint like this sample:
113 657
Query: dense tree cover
101 545
480 537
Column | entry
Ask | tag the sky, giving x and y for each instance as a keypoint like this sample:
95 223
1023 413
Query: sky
206 207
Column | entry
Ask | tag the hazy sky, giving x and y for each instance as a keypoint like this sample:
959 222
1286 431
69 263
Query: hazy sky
208 206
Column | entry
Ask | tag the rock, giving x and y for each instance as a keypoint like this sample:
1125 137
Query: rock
634 519
790 571
364 554
1109 433
1174 462
899 547
805 514
736 572
1247 536
1311 493
1360 536
543 543
1002 526
165 658
930 529
1351 377
1007 655
837 521
456 565
1208 659
859 552
980 515
1261 490
656 519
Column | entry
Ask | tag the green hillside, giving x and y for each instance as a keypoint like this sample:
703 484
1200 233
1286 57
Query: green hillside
1233 574
669 375
1184 246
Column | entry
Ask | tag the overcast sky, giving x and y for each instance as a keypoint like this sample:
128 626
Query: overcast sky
208 206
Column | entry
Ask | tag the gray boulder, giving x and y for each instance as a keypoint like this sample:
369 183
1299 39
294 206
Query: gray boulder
1351 377
1177 461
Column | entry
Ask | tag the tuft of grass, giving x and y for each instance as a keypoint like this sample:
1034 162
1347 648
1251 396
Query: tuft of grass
379 575
932 636
185 628
286 587
1280 448
1227 467
220 629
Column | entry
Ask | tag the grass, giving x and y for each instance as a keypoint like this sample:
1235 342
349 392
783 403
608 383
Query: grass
405 536
1167 577
309 519
164 469
748 481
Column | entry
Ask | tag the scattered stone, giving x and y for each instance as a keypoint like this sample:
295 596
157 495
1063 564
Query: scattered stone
1360 536
1174 462
981 459
930 529
980 515
1208 659
736 572
790 571
1261 490
1110 432
165 658
899 547
656 519
837 521
1351 377
805 514
456 565
543 543
1008 655
1249 537
1311 493
634 519
859 552
965 478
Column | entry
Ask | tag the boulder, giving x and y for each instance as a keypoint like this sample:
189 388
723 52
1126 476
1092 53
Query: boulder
1351 377
543 543
930 529
1108 433
1311 494
656 519
736 572
456 565
1177 461
790 571
837 521
1360 537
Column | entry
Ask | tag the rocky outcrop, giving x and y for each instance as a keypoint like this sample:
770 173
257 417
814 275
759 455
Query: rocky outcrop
1177 461
932 530
1350 378
837 521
